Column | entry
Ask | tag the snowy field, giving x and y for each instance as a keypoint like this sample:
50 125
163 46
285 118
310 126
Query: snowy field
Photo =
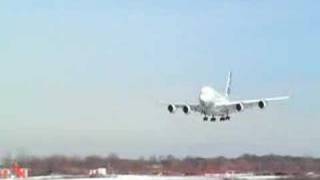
130 177
147 177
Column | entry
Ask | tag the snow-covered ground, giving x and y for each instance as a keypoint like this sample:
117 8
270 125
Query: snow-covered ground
128 177
148 177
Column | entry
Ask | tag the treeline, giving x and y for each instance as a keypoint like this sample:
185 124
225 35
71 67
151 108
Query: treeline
168 164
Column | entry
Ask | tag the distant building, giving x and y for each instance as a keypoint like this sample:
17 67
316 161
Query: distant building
100 172
6 173
15 171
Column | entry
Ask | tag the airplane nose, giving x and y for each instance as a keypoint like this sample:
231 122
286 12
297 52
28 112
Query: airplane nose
203 99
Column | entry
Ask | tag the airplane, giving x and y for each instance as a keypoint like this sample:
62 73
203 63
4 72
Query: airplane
213 104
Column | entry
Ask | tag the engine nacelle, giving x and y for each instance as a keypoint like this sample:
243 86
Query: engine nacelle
172 108
239 107
186 109
262 104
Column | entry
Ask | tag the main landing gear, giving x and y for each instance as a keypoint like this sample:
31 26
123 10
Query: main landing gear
224 118
213 119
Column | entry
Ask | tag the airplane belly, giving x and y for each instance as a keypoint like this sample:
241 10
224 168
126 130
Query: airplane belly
210 110
218 111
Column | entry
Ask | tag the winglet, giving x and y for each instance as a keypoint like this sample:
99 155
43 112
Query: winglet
228 85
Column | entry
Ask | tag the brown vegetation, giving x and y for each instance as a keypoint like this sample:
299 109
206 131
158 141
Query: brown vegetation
169 164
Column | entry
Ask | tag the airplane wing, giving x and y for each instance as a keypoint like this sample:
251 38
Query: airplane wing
193 107
237 106
186 108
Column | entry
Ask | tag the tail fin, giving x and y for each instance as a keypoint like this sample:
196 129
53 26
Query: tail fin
228 85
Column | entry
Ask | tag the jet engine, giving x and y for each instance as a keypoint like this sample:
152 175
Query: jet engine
239 107
262 104
186 109
172 108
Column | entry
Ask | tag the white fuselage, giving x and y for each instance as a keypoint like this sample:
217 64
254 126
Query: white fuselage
208 97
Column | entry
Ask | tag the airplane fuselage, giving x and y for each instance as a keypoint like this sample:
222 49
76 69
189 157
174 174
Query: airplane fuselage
208 97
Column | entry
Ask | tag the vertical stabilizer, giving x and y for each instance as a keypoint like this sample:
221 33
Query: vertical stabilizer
228 85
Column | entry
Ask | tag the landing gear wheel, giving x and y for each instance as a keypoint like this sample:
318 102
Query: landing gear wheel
222 119
213 119
228 118
205 118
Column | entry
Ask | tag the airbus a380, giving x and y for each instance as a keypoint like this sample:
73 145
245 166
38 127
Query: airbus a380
213 104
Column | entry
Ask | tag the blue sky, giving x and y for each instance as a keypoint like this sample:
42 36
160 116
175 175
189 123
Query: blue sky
85 77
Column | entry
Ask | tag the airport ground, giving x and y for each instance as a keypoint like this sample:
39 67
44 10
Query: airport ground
169 167
149 177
